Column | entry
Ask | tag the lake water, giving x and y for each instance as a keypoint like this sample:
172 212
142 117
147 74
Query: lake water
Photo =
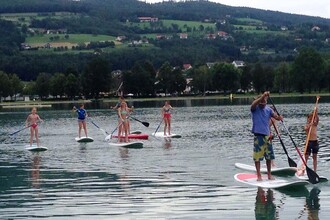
186 178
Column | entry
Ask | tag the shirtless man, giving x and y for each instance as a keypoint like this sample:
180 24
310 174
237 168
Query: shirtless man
32 121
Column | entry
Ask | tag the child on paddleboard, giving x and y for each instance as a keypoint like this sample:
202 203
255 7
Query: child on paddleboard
313 144
32 122
166 114
82 114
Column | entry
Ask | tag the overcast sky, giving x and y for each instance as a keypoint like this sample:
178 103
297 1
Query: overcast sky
319 8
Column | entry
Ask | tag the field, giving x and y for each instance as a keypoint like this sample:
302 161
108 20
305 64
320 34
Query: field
72 40
26 18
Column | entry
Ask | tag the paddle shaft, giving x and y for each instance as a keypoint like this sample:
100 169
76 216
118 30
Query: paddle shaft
158 126
310 128
20 130
291 162
99 127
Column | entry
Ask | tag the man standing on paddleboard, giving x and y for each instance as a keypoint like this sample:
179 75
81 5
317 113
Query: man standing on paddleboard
261 114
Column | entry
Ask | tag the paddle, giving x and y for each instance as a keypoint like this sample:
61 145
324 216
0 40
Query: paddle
143 122
310 128
291 162
102 130
19 130
107 138
158 126
312 176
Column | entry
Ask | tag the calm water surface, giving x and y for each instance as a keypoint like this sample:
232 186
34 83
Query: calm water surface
187 178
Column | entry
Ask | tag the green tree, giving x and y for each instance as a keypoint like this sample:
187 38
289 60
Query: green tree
282 78
201 79
226 77
258 78
4 85
96 77
57 84
72 86
307 70
246 78
141 79
16 85
164 77
43 85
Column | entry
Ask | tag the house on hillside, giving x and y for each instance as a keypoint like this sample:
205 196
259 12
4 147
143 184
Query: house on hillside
148 19
186 66
315 28
238 63
183 36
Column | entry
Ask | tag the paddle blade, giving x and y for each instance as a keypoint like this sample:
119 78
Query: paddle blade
107 138
312 176
145 124
291 162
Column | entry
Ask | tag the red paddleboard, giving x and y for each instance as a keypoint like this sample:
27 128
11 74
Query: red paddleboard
133 136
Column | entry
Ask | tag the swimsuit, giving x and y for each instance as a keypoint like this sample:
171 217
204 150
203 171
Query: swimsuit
81 115
34 125
312 147
167 113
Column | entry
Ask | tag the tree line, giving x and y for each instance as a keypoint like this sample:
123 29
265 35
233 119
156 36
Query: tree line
307 73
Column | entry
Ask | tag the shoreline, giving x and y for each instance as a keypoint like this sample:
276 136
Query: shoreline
47 104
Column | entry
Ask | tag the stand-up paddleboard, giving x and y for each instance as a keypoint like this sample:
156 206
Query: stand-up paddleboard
133 136
134 145
251 179
161 134
35 148
274 170
84 139
305 177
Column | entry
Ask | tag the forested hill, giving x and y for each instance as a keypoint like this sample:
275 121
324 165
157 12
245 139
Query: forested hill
126 9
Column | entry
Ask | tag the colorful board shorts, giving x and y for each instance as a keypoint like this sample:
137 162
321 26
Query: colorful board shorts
262 148
167 115
312 147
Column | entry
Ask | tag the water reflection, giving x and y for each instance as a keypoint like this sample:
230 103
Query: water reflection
264 206
312 203
167 144
35 171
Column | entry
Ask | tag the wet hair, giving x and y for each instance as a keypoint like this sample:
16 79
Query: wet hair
82 105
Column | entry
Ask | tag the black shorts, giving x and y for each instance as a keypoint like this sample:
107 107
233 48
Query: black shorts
313 147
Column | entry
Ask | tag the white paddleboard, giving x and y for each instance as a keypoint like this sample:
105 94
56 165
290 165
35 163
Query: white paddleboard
35 148
135 144
305 177
251 179
84 139
274 170
161 134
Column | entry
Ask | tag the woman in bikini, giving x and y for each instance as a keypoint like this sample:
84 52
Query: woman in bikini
32 122
166 114
123 112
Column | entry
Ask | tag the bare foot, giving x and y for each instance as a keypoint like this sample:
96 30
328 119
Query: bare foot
259 179
271 178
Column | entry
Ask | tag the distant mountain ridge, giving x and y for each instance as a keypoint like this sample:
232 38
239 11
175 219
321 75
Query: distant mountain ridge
188 10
